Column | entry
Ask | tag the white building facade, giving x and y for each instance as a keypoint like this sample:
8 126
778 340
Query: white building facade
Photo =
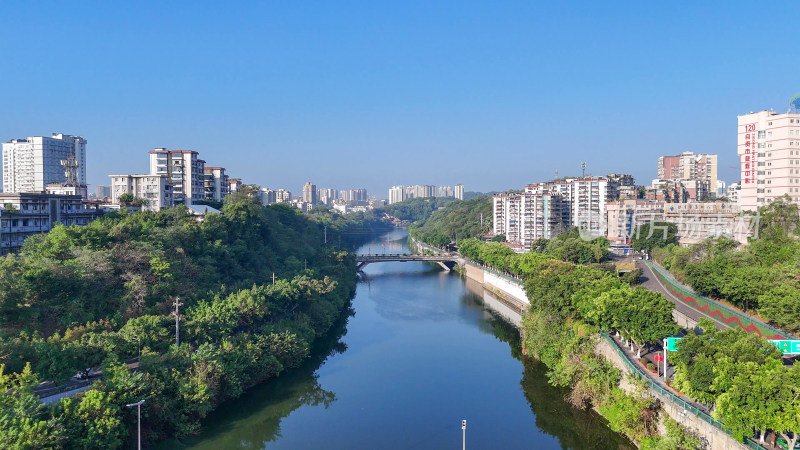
29 165
184 170
215 183
156 189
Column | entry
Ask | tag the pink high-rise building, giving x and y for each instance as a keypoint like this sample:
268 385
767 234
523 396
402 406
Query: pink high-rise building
769 155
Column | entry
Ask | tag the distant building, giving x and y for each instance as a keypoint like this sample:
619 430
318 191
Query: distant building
268 196
155 189
688 166
283 196
102 192
446 191
310 194
733 193
24 214
397 194
215 183
458 191
621 186
184 170
29 165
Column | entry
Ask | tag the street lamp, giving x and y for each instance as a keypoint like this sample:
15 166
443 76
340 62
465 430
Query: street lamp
463 435
138 406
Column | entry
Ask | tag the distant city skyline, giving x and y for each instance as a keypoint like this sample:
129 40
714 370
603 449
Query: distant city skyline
374 95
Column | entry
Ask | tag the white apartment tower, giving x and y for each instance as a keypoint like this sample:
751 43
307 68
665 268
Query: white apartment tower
459 191
184 170
397 194
310 194
29 165
215 183
156 189
525 217
769 157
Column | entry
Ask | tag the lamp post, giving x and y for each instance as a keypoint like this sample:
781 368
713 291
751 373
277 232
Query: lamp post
138 406
463 435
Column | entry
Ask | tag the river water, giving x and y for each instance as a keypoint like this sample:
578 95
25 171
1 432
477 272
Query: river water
418 354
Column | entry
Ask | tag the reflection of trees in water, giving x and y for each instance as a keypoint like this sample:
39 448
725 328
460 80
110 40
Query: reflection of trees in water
573 427
258 413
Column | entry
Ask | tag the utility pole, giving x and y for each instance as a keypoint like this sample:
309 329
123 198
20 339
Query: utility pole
138 406
326 234
463 435
177 314
481 222
305 264
273 278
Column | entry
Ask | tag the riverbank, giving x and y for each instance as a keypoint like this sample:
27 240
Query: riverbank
696 422
422 352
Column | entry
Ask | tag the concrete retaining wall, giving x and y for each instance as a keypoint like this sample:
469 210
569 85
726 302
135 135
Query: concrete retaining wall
474 273
714 438
508 287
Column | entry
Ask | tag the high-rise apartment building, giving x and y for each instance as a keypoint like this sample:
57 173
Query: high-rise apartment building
268 196
29 165
184 170
310 194
525 217
445 191
101 192
283 196
215 183
155 189
688 166
458 191
397 194
769 157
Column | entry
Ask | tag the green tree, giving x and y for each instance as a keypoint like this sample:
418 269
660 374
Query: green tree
655 234
91 420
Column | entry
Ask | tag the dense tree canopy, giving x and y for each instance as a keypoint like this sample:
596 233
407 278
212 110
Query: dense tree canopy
100 295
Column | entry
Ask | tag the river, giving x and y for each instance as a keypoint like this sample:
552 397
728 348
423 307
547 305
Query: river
417 354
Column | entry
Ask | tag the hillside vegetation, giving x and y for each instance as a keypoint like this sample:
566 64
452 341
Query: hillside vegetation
100 295
457 220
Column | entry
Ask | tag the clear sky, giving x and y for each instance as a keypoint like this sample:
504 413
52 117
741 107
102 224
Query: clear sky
370 94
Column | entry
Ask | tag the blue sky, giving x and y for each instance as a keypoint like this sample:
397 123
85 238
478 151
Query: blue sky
370 94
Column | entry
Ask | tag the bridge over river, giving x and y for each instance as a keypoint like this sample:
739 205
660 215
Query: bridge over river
442 260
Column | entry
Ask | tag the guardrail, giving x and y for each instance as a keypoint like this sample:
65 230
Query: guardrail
745 321
637 371
495 272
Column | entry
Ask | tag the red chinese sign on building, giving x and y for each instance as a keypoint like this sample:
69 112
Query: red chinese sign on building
750 153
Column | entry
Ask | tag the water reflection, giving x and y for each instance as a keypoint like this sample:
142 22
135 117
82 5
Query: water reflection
255 418
423 353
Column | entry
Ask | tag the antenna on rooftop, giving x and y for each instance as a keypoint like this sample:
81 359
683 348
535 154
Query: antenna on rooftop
70 170
583 169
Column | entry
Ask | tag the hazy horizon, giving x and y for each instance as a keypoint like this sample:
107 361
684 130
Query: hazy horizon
350 95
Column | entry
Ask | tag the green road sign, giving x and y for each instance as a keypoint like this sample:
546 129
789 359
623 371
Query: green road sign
787 347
